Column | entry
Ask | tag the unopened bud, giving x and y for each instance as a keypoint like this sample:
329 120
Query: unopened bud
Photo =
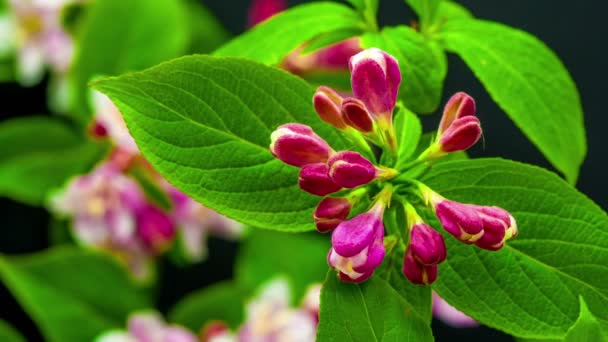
458 106
330 213
460 220
155 228
350 169
314 179
298 145
461 134
428 247
328 105
416 272
357 116
498 227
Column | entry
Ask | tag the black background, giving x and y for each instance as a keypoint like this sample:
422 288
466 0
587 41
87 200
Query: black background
575 30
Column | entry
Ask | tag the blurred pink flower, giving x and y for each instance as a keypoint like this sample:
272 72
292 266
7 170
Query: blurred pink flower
109 121
450 315
149 327
260 10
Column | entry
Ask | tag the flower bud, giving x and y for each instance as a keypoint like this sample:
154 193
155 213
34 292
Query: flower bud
155 228
331 212
297 145
358 246
375 79
350 169
314 179
356 115
428 247
460 220
458 106
498 226
461 134
328 105
416 272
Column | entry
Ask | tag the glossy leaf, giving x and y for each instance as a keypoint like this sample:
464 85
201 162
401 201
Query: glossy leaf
423 65
586 328
205 124
409 130
67 303
529 82
273 39
371 311
39 154
117 36
531 287
9 334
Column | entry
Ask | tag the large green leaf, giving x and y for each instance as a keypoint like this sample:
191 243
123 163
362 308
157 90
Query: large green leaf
409 130
371 311
531 287
529 82
586 328
38 154
301 258
72 295
223 301
422 64
9 334
273 39
205 124
118 36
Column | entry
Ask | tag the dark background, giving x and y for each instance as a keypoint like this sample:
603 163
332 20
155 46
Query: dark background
575 30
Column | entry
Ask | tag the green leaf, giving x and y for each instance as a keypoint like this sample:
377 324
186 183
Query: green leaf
207 32
371 311
531 287
118 36
329 39
223 301
301 258
423 65
529 82
9 334
450 10
425 9
586 328
409 130
71 294
38 154
205 124
272 40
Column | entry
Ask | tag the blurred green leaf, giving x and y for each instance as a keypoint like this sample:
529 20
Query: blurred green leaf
72 294
9 334
39 154
207 32
117 36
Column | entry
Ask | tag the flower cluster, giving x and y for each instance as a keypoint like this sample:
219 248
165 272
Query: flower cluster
148 327
111 210
358 243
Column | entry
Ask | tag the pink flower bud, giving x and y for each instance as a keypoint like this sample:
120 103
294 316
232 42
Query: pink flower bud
261 10
350 169
328 105
498 226
314 179
155 228
460 220
331 212
428 247
458 106
297 145
416 272
375 80
461 134
357 116
357 246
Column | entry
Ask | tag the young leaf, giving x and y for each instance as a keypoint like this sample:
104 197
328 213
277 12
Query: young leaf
273 39
409 130
38 154
223 301
9 334
529 83
142 33
531 287
67 303
450 10
205 124
371 311
422 64
586 328
301 258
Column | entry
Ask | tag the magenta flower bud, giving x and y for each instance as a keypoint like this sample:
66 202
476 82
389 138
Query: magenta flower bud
330 213
328 105
461 134
458 106
358 246
460 220
428 247
375 80
356 115
314 179
350 169
298 145
498 226
155 228
416 272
